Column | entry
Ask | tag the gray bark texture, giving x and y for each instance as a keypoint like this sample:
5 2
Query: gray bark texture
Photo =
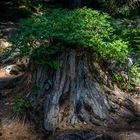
80 91
78 94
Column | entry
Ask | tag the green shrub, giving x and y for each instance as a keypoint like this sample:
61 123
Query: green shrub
130 83
44 36
119 80
134 75
21 104
137 41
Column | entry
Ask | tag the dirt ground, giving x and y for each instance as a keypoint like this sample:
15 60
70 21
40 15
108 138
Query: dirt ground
14 128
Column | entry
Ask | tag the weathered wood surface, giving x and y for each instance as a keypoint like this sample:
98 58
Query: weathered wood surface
79 91
78 94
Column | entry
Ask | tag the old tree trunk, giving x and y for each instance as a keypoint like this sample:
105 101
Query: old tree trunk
78 95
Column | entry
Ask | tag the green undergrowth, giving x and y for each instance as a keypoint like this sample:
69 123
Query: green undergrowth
22 104
129 81
137 44
41 38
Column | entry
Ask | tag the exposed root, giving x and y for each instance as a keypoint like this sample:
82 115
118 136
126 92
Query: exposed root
78 92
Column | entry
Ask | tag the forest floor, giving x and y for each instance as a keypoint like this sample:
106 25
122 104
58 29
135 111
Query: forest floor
14 128
11 126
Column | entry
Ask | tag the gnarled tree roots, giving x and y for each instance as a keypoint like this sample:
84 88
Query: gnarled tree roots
80 92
